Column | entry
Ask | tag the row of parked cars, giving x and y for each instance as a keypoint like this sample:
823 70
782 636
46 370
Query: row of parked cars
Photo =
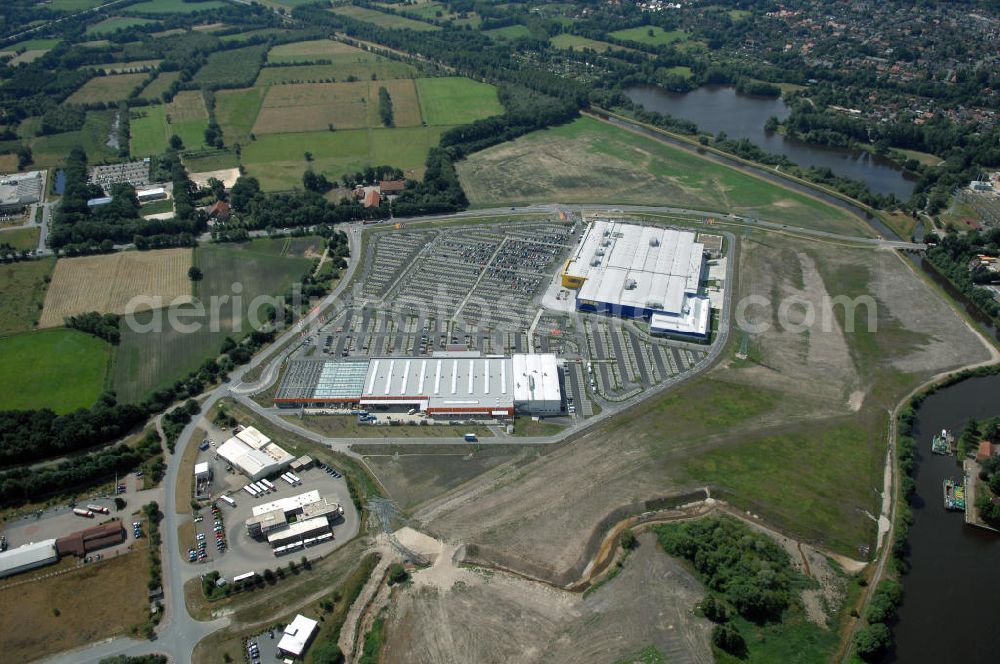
330 471
200 553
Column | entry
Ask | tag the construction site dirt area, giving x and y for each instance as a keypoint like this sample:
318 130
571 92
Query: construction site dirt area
457 614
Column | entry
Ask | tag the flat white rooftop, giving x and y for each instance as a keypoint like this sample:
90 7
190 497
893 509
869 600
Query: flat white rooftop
252 437
299 529
28 555
441 382
644 267
536 377
296 635
693 320
291 504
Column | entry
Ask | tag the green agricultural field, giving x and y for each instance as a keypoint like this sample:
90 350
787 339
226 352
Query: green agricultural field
126 67
456 101
589 161
74 5
59 369
262 32
235 66
336 52
21 238
236 111
295 108
383 68
578 43
151 131
382 19
210 160
41 44
174 7
106 89
152 360
429 11
22 292
51 150
508 33
114 23
659 36
159 85
278 161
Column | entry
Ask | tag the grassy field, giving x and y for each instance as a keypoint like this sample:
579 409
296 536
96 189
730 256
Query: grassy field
152 126
22 291
215 160
659 36
236 111
320 49
131 66
237 65
456 101
277 160
508 33
74 5
51 150
174 7
114 23
578 43
21 238
28 56
85 612
58 369
295 108
343 67
346 426
588 161
108 283
150 360
429 11
106 88
385 20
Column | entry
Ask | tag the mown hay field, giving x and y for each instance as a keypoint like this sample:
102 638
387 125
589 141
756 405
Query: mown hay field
59 369
150 360
107 283
318 49
159 85
151 131
106 89
292 108
236 111
456 101
390 21
361 69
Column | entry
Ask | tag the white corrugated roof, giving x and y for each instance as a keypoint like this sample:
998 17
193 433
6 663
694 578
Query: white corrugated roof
468 379
535 377
252 437
647 267
33 553
297 635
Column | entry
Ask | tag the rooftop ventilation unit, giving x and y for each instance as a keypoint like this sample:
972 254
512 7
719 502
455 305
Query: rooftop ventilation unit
654 241
596 262
630 284
599 252
605 243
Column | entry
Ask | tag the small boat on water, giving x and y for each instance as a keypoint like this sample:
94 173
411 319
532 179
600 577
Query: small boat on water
954 495
941 443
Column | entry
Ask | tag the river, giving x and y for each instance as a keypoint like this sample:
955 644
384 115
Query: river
718 108
949 606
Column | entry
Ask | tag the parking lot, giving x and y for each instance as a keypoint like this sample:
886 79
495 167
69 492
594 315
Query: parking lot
495 288
222 534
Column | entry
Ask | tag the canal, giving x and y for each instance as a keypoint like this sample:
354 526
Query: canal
949 606
719 108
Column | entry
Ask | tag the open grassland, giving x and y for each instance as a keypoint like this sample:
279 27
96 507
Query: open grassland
390 21
151 131
796 433
588 161
578 43
149 360
74 5
116 23
294 108
174 7
108 283
8 163
58 369
508 33
21 238
106 89
22 290
94 602
651 35
236 111
50 151
456 101
159 85
318 49
187 105
28 56
361 68
236 65
277 160
436 11
211 160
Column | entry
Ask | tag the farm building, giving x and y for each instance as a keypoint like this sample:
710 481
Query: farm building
448 384
637 271
219 210
84 541
20 190
253 454
296 636
28 556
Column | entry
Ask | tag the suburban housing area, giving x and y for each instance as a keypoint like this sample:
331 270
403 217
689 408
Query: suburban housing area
469 331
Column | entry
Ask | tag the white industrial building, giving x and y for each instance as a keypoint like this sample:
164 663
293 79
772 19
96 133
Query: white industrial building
28 556
309 507
202 471
253 454
296 636
19 190
638 271
151 194
447 384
